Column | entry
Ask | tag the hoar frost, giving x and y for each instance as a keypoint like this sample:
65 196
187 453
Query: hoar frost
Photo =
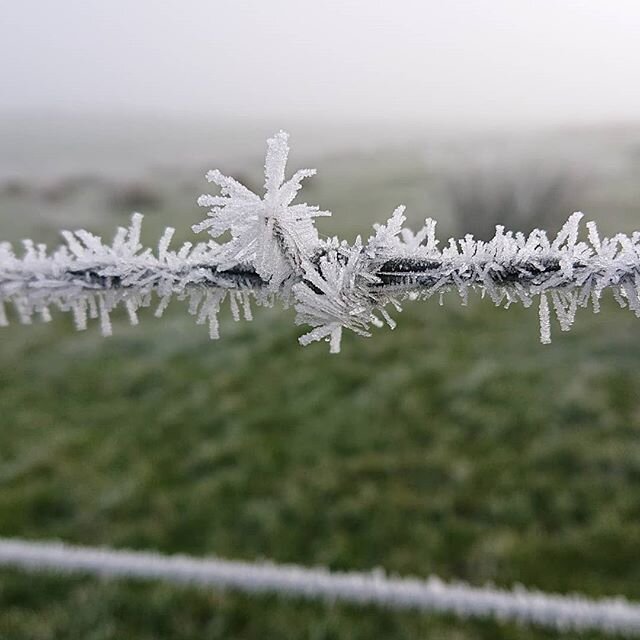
275 253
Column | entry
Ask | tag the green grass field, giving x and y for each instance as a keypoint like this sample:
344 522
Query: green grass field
456 445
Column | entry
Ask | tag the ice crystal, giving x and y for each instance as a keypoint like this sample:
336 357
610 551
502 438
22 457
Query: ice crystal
270 233
335 295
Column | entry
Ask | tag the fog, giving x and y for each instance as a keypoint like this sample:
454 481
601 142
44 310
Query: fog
484 62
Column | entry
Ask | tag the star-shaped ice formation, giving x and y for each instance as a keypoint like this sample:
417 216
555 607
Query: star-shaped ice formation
270 233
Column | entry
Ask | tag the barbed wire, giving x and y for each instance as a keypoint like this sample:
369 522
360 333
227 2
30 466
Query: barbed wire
275 253
560 612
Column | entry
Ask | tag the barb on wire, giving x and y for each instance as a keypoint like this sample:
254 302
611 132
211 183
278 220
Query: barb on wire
275 253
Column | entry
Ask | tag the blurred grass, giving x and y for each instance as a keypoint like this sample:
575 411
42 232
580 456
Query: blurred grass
455 445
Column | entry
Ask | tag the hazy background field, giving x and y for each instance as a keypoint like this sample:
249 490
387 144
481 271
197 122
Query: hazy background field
456 445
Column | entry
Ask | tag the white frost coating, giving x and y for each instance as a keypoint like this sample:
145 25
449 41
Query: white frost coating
332 296
275 253
559 612
269 233
90 278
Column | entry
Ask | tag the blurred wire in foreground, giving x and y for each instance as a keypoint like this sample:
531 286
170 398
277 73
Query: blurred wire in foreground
560 612
273 252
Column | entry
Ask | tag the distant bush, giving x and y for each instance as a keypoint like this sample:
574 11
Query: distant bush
133 196
521 198
14 188
69 187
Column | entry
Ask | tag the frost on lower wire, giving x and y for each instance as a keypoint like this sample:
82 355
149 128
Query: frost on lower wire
275 253
561 613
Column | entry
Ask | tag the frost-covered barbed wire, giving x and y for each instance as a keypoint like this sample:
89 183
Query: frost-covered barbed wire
275 253
559 612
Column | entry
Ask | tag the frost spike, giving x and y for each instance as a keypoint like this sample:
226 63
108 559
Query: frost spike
545 320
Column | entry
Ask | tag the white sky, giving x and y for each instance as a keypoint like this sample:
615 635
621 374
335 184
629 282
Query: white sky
473 62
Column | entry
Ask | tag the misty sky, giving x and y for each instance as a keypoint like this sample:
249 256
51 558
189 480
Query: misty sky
486 61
